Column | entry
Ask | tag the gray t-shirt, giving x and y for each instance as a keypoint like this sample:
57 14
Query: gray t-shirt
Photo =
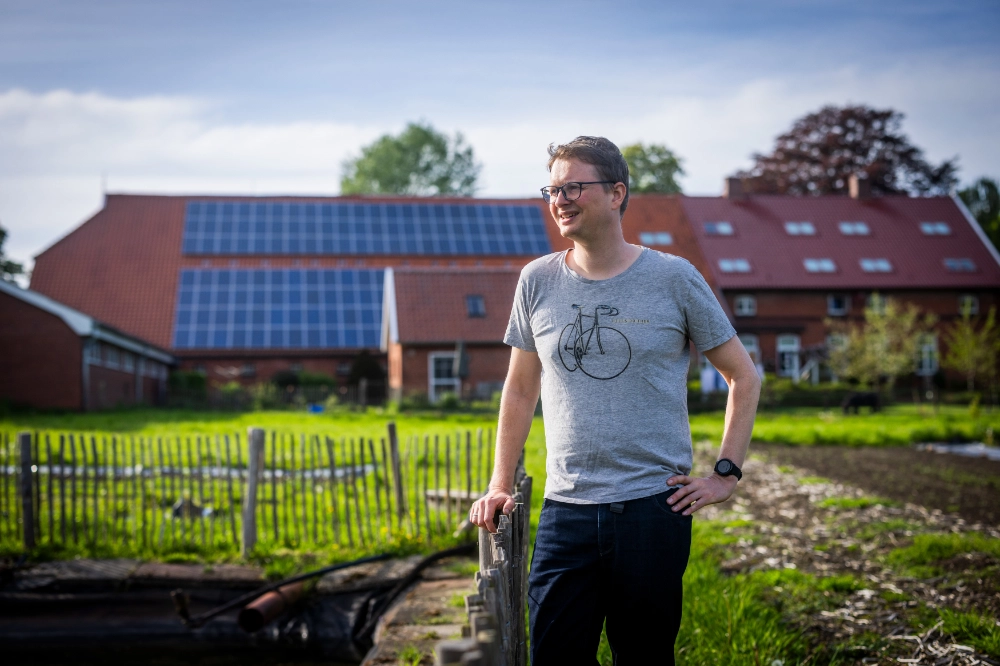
615 357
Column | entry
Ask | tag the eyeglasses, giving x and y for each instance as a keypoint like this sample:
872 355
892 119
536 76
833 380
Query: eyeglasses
571 191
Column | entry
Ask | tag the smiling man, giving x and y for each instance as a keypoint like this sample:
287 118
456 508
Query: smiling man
603 333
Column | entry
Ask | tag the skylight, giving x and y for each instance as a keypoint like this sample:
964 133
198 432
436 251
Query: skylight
656 238
800 228
854 228
820 265
960 265
935 228
475 305
719 228
734 265
876 265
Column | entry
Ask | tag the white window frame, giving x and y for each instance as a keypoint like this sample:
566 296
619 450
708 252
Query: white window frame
854 228
820 265
788 347
800 228
927 355
436 386
837 312
745 305
970 301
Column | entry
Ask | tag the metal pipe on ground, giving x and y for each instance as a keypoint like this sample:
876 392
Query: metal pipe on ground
259 613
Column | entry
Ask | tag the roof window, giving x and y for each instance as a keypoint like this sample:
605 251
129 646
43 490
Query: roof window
734 265
719 228
656 238
820 265
935 228
854 228
800 228
475 305
960 265
876 265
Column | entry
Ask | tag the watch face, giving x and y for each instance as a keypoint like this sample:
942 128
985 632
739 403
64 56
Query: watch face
724 466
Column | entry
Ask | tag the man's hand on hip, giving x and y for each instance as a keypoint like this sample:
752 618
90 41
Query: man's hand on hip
698 492
485 507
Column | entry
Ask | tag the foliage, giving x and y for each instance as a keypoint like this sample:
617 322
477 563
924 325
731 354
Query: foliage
823 149
981 631
9 269
285 379
420 161
929 550
972 348
652 168
449 401
983 201
365 366
884 347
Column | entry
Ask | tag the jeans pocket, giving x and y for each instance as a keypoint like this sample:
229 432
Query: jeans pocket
660 500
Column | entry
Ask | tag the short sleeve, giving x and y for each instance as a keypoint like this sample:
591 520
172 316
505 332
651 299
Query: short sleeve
707 323
519 332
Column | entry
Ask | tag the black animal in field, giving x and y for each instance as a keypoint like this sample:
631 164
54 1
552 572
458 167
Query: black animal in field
854 401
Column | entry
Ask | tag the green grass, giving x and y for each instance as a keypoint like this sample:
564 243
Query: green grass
855 502
814 480
923 557
980 631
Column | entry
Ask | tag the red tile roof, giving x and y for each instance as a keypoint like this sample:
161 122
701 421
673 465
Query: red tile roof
431 306
776 258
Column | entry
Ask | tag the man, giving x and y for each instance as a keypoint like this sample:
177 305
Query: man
602 331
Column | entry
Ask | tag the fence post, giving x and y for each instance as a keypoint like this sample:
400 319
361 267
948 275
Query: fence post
255 437
27 492
397 473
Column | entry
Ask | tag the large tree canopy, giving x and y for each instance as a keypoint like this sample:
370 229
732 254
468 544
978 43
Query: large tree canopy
420 161
983 200
8 269
823 149
652 168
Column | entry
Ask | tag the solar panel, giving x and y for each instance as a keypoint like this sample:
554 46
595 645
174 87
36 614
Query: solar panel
284 308
358 228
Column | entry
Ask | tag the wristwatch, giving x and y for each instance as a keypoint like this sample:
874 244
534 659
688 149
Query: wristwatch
726 467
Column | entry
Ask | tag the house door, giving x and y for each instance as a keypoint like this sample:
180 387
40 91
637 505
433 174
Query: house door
788 355
440 375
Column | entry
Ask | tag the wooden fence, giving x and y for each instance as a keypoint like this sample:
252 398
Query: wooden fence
497 633
121 495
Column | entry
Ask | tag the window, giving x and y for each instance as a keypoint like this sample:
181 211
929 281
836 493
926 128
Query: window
819 265
248 370
788 355
128 362
656 238
734 265
441 375
960 265
854 228
836 305
719 228
800 228
475 306
94 353
935 228
875 265
745 305
927 355
111 356
968 304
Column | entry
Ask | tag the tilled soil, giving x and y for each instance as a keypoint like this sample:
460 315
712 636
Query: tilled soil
787 528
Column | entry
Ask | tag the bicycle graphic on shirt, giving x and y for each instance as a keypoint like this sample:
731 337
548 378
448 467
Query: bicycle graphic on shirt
600 352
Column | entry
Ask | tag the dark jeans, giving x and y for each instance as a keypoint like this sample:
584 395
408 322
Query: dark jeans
622 562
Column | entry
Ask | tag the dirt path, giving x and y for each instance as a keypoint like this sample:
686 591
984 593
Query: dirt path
788 528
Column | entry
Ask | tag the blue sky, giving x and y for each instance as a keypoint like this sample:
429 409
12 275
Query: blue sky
266 97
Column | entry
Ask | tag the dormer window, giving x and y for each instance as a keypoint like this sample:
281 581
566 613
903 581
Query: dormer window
734 265
649 238
854 228
875 265
800 229
935 228
475 305
960 265
719 228
820 265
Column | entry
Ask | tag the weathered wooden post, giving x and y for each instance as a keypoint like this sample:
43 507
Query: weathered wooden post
255 437
27 491
397 473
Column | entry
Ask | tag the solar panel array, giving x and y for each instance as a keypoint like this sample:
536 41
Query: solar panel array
352 228
278 309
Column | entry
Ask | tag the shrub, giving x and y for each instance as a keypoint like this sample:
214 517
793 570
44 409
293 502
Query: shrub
449 401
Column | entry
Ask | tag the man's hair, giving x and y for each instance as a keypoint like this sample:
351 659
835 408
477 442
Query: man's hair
599 152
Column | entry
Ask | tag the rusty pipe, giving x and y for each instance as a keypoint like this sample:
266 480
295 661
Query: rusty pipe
258 613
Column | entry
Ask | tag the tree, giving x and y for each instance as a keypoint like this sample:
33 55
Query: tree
652 168
971 348
9 269
420 161
884 347
823 149
983 201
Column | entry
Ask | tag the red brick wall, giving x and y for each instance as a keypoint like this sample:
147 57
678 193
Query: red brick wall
110 388
40 359
487 363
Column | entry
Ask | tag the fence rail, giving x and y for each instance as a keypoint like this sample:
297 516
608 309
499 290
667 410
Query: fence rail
118 495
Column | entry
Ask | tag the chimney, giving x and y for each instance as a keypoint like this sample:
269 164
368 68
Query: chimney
859 188
733 188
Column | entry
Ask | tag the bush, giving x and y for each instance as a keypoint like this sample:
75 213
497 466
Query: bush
316 379
285 379
267 396
449 402
415 401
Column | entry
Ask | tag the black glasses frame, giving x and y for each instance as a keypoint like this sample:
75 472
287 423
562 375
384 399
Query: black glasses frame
550 192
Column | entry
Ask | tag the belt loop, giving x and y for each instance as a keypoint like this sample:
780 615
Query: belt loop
617 507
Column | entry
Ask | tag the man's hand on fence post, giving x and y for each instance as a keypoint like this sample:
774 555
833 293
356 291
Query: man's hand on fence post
483 509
